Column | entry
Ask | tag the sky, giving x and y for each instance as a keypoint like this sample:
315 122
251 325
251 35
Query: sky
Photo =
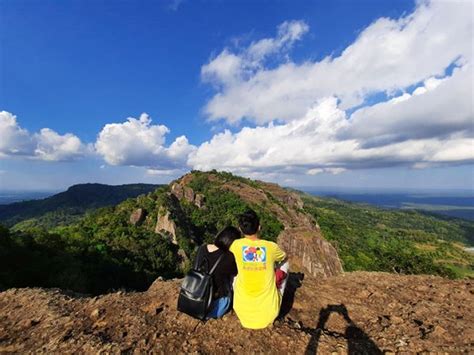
347 94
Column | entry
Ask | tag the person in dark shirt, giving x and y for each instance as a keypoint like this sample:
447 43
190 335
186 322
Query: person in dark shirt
225 271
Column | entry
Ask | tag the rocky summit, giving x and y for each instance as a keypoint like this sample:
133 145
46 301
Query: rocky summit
301 236
355 313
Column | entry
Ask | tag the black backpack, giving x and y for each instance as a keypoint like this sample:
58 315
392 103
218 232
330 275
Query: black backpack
195 296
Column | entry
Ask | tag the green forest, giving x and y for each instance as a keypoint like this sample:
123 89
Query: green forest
97 250
410 242
68 206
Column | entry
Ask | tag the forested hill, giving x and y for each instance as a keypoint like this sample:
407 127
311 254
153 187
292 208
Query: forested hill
376 239
76 200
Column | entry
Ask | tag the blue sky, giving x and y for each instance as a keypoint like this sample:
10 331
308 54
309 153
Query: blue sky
233 82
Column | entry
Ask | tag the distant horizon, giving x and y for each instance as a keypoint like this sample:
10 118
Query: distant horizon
303 188
449 202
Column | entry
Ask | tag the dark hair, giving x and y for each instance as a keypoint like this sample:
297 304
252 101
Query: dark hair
249 222
226 237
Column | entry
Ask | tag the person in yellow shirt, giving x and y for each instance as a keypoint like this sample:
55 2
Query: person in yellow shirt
257 300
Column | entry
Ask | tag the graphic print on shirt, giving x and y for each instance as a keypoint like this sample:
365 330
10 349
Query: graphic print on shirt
254 257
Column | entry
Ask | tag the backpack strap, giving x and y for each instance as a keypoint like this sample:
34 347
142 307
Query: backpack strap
198 259
216 263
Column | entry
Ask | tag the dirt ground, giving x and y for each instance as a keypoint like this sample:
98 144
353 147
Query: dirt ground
355 313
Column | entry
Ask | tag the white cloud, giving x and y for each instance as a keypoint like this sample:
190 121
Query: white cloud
14 140
315 171
334 171
437 109
311 118
308 142
389 55
46 145
225 69
424 57
137 142
318 143
228 69
171 172
288 33
54 147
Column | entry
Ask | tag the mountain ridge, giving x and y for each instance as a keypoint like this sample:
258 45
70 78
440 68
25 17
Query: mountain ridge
77 199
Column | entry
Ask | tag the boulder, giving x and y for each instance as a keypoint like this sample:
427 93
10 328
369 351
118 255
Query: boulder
293 200
177 190
138 216
165 224
189 194
199 200
182 191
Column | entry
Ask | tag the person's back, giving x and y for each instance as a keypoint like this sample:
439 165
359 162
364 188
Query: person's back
256 298
224 271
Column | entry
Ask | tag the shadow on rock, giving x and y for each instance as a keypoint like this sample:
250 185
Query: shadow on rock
294 282
358 341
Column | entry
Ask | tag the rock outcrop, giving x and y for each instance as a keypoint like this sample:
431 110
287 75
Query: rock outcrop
181 191
309 252
199 200
138 216
177 190
164 224
355 313
189 194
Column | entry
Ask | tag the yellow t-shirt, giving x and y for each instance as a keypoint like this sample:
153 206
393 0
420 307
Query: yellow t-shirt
256 298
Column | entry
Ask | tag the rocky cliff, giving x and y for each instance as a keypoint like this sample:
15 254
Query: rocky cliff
355 313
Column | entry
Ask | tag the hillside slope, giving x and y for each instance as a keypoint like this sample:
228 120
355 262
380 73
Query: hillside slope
76 200
376 239
360 312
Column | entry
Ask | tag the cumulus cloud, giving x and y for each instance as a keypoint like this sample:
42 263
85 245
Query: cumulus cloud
317 143
388 56
45 145
137 142
307 142
227 69
437 108
55 147
313 118
14 140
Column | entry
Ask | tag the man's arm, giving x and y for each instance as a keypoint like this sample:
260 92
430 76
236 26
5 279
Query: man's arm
280 255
